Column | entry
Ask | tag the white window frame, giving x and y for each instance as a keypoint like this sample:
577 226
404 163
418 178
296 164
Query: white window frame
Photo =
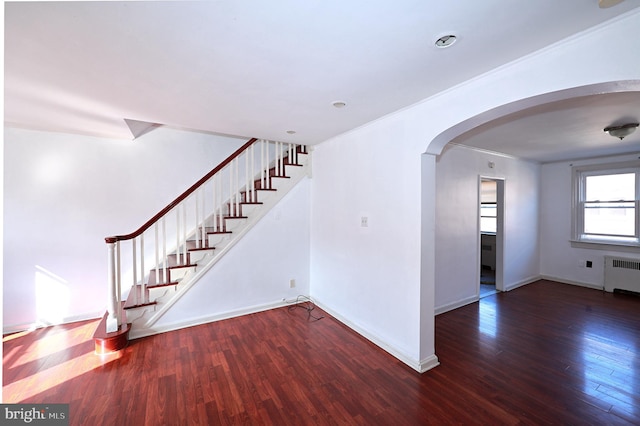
494 217
580 173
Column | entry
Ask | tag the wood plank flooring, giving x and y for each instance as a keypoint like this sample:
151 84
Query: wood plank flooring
546 353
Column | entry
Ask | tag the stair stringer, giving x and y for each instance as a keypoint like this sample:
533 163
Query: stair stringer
164 303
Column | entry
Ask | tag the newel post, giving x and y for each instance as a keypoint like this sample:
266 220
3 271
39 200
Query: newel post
113 304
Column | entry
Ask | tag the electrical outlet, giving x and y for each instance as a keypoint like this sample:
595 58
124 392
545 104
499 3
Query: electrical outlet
364 221
589 264
292 283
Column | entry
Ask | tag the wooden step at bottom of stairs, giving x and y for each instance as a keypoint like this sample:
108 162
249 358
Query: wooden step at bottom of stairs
106 343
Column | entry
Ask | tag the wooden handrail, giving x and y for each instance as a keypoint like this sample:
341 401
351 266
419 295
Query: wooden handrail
182 197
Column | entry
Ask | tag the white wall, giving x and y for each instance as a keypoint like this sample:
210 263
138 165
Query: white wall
559 260
256 272
369 276
381 280
457 233
64 193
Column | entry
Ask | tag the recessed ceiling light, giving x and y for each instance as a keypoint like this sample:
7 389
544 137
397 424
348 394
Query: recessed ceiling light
446 41
291 132
339 104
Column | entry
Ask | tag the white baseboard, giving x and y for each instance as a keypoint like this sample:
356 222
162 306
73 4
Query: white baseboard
420 366
565 281
16 328
428 363
455 305
163 328
471 299
522 283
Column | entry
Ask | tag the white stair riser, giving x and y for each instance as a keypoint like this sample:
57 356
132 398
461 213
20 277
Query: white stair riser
278 182
235 224
247 209
216 240
178 274
199 255
157 292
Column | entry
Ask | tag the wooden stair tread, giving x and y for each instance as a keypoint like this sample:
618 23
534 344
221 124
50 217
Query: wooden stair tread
192 245
152 279
140 305
158 285
258 189
187 265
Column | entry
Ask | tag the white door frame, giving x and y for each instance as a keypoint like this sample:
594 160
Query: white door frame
500 191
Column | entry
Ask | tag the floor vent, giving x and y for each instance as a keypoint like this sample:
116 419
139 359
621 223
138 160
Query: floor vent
621 274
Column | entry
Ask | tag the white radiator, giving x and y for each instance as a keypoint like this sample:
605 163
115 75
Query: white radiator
621 274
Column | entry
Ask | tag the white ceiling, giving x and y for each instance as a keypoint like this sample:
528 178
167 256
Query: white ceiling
563 130
260 68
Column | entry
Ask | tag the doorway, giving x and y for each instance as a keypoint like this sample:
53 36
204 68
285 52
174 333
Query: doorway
491 214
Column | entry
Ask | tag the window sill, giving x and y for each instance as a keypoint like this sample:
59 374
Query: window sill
630 247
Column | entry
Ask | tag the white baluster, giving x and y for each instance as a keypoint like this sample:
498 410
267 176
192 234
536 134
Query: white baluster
214 194
178 251
157 248
134 287
262 163
267 182
203 234
275 159
279 157
143 286
197 222
164 251
253 173
236 192
246 175
230 189
220 201
184 227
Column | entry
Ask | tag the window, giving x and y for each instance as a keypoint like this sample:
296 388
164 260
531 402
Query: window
488 206
488 217
607 206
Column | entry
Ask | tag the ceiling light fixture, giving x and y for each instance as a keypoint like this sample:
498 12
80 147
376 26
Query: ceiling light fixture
339 104
621 131
446 41
608 3
291 132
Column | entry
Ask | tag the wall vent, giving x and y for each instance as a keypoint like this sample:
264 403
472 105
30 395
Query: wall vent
621 274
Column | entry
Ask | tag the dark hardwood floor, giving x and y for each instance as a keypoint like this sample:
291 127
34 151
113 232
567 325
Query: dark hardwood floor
545 353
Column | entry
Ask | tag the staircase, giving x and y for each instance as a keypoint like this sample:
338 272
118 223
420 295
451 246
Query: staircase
165 257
